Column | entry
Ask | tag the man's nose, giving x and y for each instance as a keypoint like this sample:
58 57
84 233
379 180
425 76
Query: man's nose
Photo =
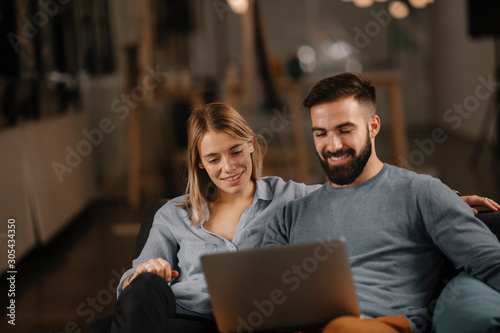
334 143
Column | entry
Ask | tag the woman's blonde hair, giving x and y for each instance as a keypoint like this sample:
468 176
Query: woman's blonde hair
216 117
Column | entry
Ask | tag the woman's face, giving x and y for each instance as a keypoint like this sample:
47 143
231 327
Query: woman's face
227 160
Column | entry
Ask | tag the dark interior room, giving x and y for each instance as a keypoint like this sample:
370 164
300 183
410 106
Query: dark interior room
95 96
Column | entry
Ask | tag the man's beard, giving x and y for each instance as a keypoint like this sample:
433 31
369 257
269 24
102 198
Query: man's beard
348 172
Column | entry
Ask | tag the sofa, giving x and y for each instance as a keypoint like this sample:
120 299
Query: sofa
462 303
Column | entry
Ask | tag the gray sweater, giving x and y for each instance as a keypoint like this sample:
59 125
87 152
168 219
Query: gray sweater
398 226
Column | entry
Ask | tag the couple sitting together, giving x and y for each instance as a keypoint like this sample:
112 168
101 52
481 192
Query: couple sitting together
398 226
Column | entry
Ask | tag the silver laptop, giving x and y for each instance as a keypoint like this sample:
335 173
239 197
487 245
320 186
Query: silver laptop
282 288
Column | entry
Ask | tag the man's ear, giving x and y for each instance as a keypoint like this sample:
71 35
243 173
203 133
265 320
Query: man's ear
374 126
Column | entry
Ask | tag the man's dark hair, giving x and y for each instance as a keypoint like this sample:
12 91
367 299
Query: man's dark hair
340 86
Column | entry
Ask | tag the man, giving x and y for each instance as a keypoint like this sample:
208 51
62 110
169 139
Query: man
397 225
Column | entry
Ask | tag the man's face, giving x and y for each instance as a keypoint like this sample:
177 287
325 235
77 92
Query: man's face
342 140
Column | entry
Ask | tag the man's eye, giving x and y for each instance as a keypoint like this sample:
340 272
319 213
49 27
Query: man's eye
319 134
345 131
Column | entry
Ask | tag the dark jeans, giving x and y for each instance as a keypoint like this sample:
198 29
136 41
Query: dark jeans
148 305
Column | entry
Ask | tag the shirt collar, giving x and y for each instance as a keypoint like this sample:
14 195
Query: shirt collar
263 191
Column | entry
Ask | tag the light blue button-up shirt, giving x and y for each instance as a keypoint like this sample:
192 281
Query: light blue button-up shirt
174 239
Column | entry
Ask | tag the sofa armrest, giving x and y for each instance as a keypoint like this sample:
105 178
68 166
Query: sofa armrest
467 304
448 271
146 224
492 221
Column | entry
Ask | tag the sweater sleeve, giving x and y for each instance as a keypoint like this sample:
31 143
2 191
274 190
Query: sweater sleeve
461 237
277 229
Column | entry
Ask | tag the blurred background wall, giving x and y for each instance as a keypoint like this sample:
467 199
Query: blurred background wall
94 94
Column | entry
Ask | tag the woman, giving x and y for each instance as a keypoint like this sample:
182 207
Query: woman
226 204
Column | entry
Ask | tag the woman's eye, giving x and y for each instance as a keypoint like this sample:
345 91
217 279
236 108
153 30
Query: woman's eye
212 161
237 152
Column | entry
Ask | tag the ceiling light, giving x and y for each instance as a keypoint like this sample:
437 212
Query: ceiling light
238 6
419 3
398 10
363 3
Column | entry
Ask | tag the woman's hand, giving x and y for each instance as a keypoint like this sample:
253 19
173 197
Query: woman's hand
476 201
158 266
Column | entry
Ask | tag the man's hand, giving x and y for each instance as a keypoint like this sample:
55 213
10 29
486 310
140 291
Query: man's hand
477 201
158 266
